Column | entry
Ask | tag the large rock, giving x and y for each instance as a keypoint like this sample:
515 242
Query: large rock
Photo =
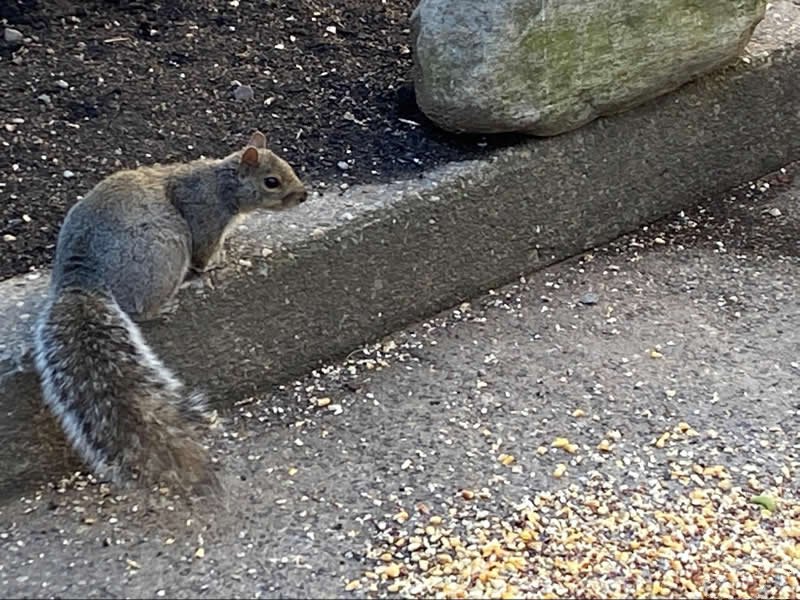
547 66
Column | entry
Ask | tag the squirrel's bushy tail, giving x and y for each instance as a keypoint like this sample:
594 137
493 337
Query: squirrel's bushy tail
123 411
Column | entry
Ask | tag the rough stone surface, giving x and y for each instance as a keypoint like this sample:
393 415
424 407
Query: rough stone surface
544 67
313 284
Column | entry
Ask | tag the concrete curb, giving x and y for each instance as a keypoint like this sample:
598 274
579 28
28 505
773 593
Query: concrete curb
310 285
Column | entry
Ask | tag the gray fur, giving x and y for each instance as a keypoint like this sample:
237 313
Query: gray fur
115 246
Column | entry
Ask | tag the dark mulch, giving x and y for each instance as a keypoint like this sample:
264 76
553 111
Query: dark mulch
108 84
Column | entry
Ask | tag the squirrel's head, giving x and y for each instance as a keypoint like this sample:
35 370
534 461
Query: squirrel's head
267 180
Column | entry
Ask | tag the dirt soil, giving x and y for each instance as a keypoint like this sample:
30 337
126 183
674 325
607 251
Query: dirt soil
101 85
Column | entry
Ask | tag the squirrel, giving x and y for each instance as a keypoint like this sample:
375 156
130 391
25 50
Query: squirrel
122 253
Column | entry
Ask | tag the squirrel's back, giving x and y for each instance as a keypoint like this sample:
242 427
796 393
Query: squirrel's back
126 237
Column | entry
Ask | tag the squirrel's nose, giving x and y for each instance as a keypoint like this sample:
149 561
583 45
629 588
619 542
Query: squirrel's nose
297 196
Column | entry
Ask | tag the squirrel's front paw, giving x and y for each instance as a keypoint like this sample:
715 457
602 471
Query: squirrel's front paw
217 260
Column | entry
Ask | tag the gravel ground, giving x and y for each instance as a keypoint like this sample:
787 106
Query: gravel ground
622 424
99 85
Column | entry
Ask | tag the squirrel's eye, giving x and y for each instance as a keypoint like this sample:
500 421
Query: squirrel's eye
272 182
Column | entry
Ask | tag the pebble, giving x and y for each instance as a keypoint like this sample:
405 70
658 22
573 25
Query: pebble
68 174
62 84
343 165
9 238
243 92
590 298
13 36
774 212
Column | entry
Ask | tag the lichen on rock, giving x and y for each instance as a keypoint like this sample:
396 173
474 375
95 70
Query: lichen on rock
544 67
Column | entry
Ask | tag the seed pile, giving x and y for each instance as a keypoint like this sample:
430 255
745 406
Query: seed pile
694 534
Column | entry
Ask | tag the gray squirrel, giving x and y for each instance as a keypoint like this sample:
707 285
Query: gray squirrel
122 254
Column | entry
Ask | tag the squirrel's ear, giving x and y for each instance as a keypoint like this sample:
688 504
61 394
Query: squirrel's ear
250 157
258 140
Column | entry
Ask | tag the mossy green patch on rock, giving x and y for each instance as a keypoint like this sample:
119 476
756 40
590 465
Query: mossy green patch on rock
544 67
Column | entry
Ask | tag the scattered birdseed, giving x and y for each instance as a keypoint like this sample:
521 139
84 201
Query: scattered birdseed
594 539
506 459
604 446
392 570
661 441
